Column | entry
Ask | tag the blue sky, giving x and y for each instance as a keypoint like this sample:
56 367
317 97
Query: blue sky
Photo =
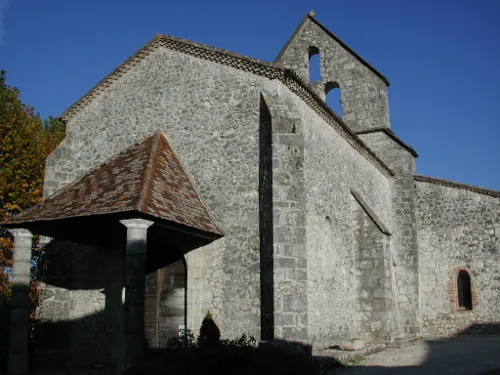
442 58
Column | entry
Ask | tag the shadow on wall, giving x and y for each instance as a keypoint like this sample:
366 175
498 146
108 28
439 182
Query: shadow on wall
471 351
209 354
82 310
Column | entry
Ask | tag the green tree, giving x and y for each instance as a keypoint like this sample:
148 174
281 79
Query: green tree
25 143
209 332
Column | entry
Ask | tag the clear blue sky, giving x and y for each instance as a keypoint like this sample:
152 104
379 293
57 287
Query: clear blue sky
442 58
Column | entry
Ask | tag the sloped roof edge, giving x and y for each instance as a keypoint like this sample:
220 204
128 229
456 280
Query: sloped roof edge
145 178
391 135
295 32
237 61
199 50
339 41
457 185
302 90
370 213
19 218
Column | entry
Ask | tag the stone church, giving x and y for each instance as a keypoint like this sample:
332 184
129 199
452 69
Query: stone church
195 179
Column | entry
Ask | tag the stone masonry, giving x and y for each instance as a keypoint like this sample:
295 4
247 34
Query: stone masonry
327 233
458 229
363 90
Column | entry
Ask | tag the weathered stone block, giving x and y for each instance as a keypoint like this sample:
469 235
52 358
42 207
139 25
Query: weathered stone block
354 344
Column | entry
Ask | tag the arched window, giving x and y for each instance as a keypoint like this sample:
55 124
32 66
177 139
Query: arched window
314 64
464 291
333 97
328 229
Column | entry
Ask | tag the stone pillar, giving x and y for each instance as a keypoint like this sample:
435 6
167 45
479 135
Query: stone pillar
283 230
135 272
20 305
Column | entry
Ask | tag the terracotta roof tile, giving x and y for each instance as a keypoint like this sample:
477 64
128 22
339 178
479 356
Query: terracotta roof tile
146 178
237 61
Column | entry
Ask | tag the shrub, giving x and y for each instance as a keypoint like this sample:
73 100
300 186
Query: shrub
209 332
208 354
185 339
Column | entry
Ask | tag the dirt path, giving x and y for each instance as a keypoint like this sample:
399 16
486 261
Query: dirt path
462 355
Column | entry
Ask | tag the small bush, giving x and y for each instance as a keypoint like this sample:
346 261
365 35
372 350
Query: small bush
185 339
241 342
209 332
211 355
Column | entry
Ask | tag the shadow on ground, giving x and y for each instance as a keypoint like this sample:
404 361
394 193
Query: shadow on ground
475 350
470 352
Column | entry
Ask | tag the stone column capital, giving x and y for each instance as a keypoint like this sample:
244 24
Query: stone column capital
137 223
20 233
44 240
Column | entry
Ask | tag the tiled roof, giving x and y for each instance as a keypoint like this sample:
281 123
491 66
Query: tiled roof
244 63
146 178
457 185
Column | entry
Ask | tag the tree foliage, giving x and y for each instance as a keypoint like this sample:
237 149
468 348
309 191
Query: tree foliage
209 332
25 143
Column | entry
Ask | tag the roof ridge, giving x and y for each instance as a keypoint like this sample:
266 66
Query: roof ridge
457 185
156 150
68 186
391 135
349 49
171 43
311 18
254 66
146 180
328 114
189 180
295 32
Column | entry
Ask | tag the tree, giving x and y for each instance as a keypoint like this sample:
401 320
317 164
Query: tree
209 332
25 143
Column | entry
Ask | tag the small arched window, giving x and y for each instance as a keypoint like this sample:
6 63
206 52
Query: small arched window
333 97
464 291
314 64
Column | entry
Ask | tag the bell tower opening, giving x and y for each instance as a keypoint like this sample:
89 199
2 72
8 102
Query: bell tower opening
314 64
333 97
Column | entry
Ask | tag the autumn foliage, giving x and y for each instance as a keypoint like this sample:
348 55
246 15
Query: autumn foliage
25 142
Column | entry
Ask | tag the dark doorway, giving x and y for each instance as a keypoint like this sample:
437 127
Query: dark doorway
165 305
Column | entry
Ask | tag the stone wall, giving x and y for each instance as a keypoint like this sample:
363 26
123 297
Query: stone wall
332 168
404 245
374 288
283 201
81 314
204 276
458 229
363 92
165 302
299 253
210 114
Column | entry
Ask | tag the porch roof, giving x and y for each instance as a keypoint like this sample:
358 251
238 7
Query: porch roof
145 179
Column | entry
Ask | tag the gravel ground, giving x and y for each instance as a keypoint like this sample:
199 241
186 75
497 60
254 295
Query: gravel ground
470 355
